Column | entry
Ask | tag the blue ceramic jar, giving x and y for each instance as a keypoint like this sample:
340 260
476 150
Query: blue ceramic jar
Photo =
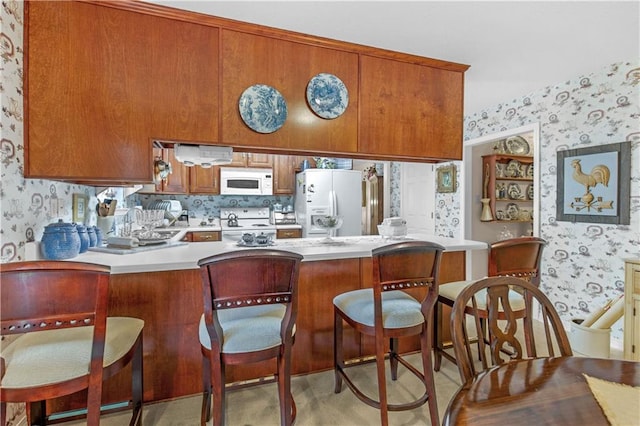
99 236
84 237
60 241
92 236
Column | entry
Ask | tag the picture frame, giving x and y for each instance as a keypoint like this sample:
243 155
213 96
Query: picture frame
80 207
446 179
594 184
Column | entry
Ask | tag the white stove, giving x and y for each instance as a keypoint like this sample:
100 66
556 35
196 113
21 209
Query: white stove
235 221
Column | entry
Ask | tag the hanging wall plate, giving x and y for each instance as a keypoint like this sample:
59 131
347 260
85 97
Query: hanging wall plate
263 108
327 96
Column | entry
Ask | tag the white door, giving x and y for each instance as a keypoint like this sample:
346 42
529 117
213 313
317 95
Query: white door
417 197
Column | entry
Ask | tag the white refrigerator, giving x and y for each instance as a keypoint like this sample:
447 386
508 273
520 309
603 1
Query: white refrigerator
321 192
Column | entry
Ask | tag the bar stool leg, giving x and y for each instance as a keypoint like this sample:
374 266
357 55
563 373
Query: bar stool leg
338 351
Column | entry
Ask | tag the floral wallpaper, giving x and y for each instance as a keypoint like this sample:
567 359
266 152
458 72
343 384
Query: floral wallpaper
583 264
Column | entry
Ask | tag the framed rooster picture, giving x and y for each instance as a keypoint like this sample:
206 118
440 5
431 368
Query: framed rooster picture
594 184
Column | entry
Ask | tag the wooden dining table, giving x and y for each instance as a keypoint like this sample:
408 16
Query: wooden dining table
540 391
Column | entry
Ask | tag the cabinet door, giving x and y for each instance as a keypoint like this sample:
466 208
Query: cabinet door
249 59
204 181
87 86
184 81
284 174
410 110
178 179
250 159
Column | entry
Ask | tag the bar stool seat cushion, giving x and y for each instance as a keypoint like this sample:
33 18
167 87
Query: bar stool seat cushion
52 356
399 310
247 329
453 289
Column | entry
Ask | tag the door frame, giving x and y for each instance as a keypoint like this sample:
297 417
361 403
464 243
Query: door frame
468 146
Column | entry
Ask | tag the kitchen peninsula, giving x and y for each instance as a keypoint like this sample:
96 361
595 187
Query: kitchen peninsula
163 288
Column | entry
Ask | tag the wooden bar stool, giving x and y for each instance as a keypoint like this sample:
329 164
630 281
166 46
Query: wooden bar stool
516 257
66 342
387 312
250 310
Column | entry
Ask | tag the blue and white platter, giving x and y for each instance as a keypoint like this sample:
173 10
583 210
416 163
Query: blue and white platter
327 96
263 108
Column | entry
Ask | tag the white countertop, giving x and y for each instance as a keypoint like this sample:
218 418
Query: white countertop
313 249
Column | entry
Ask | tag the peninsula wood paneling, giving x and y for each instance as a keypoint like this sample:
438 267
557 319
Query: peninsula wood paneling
249 59
170 303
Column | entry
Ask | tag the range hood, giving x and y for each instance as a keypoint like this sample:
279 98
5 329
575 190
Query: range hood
203 155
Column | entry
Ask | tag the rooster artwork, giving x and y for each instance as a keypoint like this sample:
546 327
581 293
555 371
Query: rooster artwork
599 174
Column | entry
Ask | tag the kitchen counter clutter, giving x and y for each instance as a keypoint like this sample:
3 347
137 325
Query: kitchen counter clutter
313 249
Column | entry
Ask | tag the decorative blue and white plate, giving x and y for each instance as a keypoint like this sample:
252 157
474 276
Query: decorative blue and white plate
263 108
327 95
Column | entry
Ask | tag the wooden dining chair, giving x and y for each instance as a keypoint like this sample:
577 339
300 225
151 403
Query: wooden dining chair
505 325
64 340
516 257
386 311
250 310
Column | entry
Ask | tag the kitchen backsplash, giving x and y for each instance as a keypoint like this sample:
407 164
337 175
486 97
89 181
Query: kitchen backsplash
205 206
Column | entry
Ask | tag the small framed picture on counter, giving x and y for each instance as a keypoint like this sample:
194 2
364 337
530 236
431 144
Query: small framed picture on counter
80 203
446 178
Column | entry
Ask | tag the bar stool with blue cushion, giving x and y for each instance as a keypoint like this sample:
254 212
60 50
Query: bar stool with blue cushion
55 315
515 257
386 311
250 309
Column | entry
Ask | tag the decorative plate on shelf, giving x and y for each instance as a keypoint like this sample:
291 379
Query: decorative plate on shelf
263 108
513 211
530 192
517 145
514 191
327 96
529 172
512 169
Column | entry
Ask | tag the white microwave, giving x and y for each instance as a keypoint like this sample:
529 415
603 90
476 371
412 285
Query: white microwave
246 181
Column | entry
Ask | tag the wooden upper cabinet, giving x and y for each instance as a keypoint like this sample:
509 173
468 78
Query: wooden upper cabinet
251 159
249 59
284 174
184 81
178 180
204 181
410 110
102 82
87 95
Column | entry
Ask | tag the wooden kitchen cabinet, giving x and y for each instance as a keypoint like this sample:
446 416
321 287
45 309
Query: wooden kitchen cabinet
187 180
288 233
408 109
507 182
177 182
102 82
249 59
205 236
632 310
284 174
204 181
251 159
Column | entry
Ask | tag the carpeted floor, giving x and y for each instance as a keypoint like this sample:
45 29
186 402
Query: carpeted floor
316 402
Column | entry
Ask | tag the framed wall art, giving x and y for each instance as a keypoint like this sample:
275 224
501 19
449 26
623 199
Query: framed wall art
80 205
446 178
594 184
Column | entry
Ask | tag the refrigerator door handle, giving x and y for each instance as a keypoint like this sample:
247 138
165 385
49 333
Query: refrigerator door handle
333 208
